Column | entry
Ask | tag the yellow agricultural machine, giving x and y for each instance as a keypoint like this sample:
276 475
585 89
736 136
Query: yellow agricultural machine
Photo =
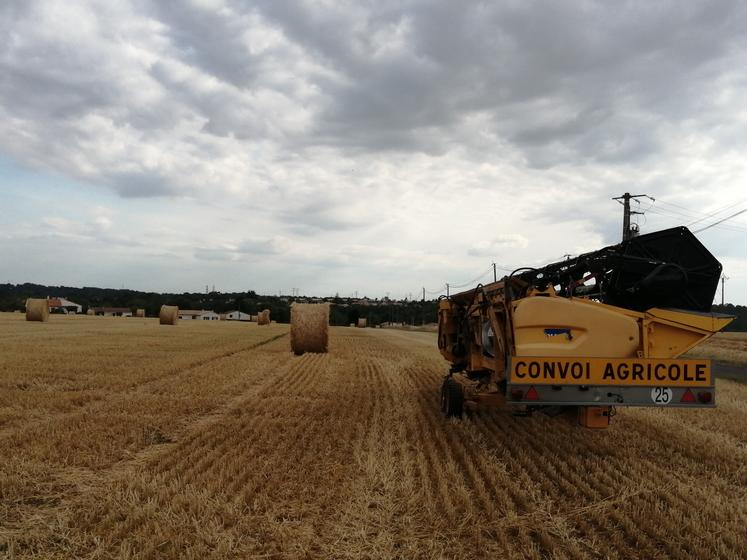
594 332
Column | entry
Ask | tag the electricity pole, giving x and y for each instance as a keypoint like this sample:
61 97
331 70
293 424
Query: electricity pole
627 232
724 278
495 274
422 307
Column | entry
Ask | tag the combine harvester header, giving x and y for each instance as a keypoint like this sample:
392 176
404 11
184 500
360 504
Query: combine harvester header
600 330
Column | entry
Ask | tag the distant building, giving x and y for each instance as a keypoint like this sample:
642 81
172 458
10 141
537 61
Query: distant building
198 315
238 316
112 311
62 305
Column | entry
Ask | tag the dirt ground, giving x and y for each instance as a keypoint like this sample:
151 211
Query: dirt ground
120 438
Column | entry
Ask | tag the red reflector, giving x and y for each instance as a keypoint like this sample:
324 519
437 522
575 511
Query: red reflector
705 397
688 397
516 394
532 394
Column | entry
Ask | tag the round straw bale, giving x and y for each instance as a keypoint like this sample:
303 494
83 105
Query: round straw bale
362 323
309 327
264 317
37 309
168 315
140 313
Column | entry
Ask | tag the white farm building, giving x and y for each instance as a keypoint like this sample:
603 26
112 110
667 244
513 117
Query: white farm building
238 316
112 311
62 305
198 315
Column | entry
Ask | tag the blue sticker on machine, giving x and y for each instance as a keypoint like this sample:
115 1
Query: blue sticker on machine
558 332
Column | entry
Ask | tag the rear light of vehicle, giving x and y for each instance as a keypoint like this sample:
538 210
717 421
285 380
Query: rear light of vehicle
688 397
532 394
705 397
517 394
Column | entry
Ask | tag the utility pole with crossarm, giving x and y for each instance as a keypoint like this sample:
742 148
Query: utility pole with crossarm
625 201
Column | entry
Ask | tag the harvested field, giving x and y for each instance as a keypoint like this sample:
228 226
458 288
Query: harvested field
122 439
730 347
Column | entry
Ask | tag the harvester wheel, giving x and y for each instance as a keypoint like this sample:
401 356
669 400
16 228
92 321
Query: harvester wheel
445 395
454 399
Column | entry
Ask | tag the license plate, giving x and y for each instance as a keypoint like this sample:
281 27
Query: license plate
641 372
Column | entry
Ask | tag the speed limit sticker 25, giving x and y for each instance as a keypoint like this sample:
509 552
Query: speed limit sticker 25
661 395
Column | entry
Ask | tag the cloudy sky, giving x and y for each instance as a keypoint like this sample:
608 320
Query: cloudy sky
372 147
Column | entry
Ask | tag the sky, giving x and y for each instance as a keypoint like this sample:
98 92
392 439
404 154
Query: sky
373 148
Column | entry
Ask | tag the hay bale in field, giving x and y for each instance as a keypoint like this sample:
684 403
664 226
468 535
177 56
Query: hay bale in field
264 317
37 309
253 318
352 324
362 323
309 330
168 315
140 313
90 312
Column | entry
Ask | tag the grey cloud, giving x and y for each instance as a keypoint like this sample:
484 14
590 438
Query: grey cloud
140 184
210 40
497 245
216 255
650 63
53 230
323 215
264 246
558 84
251 248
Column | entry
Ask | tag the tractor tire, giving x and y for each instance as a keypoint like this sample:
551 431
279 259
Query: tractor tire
454 399
444 395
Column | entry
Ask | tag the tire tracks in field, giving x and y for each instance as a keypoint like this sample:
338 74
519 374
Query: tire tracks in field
86 480
430 463
464 468
550 478
98 404
470 461
611 477
347 455
287 459
561 482
620 481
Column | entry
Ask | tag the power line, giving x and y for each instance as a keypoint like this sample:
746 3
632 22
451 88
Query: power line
505 268
723 220
473 282
677 216
437 291
448 286
689 212
669 212
728 207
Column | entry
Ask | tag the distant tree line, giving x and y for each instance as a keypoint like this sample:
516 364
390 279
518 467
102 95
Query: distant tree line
344 310
740 311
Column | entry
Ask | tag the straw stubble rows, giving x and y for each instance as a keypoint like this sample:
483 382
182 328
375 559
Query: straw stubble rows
346 455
